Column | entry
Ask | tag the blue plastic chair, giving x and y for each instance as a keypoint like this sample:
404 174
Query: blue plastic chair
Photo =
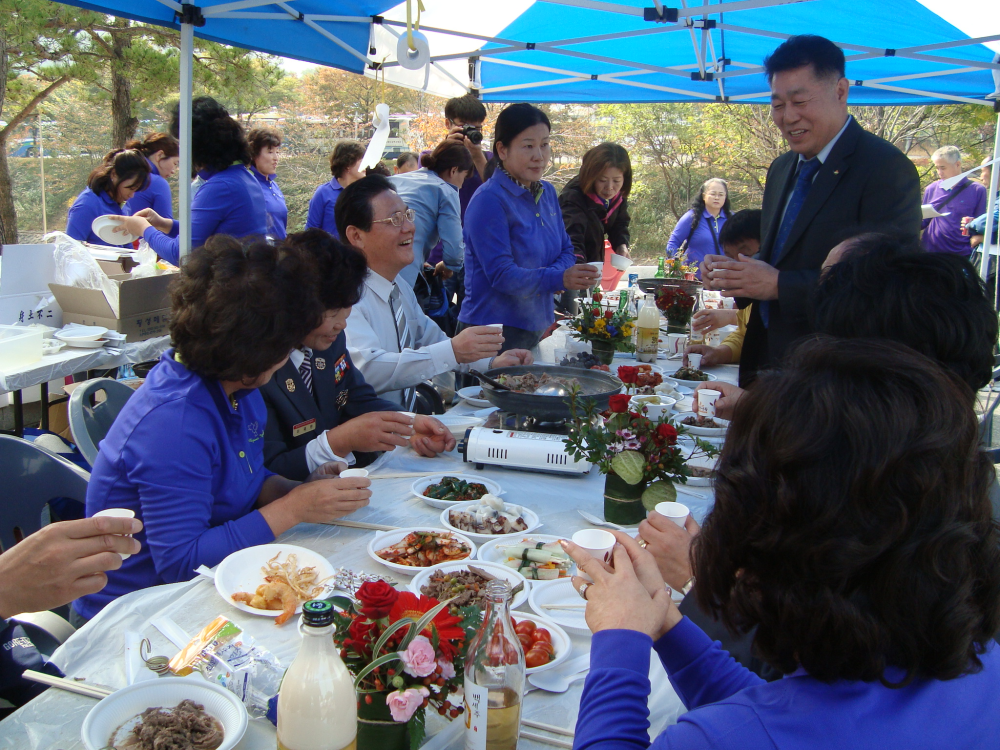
89 420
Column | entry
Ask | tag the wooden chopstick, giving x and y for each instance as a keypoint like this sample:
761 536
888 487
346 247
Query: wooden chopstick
547 740
361 525
406 474
72 686
548 728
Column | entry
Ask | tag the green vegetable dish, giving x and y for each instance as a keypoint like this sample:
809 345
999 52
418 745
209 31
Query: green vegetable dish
456 490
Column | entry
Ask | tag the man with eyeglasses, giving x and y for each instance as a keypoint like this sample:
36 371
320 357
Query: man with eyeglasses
392 342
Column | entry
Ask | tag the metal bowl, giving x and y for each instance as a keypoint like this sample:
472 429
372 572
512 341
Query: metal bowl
601 386
650 286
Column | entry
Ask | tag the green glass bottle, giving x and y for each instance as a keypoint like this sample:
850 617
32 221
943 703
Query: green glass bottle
660 272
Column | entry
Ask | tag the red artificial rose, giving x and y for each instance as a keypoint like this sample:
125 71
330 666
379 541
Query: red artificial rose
667 432
377 598
608 315
628 374
360 638
619 403
598 296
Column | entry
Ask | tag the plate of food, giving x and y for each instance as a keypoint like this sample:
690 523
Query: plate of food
408 551
545 644
538 557
467 581
444 490
702 426
273 580
701 476
488 518
457 424
559 602
690 377
473 395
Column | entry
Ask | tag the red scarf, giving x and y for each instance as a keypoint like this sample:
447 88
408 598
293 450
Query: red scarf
611 206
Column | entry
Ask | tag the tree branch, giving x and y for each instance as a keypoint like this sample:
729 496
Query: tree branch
29 108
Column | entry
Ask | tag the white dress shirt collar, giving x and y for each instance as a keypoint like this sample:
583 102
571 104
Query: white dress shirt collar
825 153
380 285
298 356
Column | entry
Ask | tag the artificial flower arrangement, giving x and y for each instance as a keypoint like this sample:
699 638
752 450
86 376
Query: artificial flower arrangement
676 304
406 650
598 326
630 448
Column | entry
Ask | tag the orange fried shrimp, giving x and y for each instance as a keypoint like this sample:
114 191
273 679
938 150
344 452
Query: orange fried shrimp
276 592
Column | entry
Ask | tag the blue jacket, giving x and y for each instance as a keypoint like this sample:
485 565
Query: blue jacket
704 240
87 207
516 250
191 467
156 196
978 225
438 217
230 202
730 708
321 207
274 204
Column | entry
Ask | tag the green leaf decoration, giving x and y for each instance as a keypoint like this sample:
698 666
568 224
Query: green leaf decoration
658 492
343 603
628 465
387 659
400 623
417 728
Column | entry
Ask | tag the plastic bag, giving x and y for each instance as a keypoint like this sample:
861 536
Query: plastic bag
146 256
76 266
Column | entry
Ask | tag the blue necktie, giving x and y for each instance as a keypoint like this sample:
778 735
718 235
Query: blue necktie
803 183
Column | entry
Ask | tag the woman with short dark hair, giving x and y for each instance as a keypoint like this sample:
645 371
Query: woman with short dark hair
595 203
163 154
345 163
264 145
186 454
852 529
109 187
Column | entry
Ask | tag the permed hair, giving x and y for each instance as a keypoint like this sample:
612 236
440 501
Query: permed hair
340 269
345 155
261 138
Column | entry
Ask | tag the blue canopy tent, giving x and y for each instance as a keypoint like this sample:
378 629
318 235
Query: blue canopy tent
899 51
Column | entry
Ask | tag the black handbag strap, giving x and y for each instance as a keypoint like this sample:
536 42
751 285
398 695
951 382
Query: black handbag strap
954 195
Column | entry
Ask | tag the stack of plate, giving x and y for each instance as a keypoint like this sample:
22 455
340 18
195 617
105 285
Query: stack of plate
83 337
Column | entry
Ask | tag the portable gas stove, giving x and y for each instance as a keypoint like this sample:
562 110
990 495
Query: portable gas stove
519 442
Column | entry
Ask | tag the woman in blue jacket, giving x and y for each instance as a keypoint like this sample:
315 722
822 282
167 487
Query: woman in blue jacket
187 451
697 231
852 535
110 185
344 166
230 202
163 154
264 145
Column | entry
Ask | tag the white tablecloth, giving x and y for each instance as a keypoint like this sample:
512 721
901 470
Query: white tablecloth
97 651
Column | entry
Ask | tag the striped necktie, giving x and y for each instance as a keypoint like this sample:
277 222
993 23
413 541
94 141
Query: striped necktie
306 370
402 338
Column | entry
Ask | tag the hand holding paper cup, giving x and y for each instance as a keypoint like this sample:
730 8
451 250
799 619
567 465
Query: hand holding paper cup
117 513
598 544
706 401
694 361
352 473
676 512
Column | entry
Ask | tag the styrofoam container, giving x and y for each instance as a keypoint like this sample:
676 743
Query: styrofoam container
128 703
19 346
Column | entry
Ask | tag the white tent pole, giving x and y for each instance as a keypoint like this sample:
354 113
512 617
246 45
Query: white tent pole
186 94
991 200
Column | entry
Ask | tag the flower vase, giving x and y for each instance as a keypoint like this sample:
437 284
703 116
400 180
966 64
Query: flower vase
376 728
623 501
678 320
604 351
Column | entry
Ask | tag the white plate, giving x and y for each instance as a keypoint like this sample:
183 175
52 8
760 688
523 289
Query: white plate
500 571
559 592
103 227
457 424
384 539
241 571
418 487
702 431
561 643
489 551
529 516
693 383
80 333
124 705
86 344
469 394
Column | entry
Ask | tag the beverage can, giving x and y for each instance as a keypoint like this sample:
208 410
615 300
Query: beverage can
633 279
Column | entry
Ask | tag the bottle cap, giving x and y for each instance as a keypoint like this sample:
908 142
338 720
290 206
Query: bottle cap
317 613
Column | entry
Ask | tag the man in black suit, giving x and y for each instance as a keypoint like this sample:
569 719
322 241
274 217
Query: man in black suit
319 407
836 175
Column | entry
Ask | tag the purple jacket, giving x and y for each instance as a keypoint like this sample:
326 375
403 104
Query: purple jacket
943 234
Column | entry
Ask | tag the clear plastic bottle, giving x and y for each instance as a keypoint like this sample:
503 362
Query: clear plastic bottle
494 677
647 336
317 704
697 337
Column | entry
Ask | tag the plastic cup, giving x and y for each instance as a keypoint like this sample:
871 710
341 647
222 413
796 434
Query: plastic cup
559 354
351 473
118 513
599 544
694 360
706 402
676 512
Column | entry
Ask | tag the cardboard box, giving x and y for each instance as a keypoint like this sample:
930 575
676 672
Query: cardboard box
144 306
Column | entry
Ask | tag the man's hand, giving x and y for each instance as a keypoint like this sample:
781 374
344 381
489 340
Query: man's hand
442 271
513 358
670 546
476 343
374 431
63 562
475 149
711 320
581 276
623 250
745 277
711 355
726 403
430 437
706 266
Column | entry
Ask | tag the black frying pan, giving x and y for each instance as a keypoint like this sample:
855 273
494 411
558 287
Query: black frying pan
599 387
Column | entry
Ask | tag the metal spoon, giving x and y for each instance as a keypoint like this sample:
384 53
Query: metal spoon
592 519
551 389
489 381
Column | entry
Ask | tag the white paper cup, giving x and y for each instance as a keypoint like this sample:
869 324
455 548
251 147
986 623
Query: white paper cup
598 264
497 326
351 473
676 343
714 338
598 543
620 262
676 512
694 360
118 513
706 402
656 406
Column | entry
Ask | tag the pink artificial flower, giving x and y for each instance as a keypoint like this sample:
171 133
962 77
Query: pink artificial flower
404 703
447 668
418 659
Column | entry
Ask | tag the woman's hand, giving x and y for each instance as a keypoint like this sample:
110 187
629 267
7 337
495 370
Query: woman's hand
670 546
320 501
134 225
430 437
711 320
726 403
374 431
156 221
581 276
711 355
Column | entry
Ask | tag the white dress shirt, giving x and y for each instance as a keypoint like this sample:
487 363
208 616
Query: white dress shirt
371 341
822 156
318 451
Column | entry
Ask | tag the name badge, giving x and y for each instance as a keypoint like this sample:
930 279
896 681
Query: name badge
303 427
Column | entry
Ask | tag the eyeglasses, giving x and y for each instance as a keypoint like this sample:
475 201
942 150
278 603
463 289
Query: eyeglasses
397 218
715 195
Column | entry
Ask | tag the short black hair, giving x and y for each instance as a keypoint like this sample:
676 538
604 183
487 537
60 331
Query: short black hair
742 225
217 140
340 269
826 58
261 138
345 155
466 108
405 157
513 121
354 206
934 303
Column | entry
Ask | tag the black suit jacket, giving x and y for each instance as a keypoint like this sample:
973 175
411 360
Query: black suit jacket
341 393
865 181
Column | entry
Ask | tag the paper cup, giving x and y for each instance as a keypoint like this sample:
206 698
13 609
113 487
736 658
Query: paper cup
598 543
676 342
676 512
351 473
620 262
118 513
714 338
694 360
497 326
706 402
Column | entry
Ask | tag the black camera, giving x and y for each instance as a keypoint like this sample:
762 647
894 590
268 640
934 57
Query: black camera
473 133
